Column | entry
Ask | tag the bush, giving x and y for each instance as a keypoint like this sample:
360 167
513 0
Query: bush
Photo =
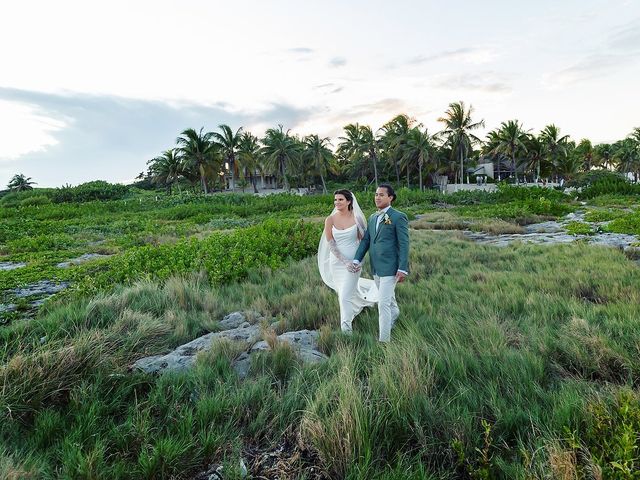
586 179
86 192
224 257
35 201
508 193
579 228
607 183
37 196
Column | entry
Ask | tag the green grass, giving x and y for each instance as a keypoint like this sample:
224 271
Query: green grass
517 362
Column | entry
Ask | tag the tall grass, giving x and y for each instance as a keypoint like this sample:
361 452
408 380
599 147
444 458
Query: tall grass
505 363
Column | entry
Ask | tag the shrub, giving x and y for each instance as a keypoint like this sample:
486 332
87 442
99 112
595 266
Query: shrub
629 223
23 198
35 201
592 177
579 228
606 183
223 256
86 192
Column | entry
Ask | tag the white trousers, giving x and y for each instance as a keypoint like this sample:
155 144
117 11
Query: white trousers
388 310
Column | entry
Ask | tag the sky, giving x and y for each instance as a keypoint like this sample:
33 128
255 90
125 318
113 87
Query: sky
94 89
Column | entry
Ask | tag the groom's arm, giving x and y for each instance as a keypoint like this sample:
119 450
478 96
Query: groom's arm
402 235
363 247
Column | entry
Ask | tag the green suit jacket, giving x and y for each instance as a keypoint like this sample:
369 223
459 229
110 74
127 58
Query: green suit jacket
388 247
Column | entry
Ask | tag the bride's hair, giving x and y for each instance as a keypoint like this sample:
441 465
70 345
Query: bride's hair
346 194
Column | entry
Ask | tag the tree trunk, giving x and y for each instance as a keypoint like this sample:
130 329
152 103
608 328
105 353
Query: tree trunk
515 171
232 168
420 175
203 182
285 181
461 168
324 187
397 171
375 167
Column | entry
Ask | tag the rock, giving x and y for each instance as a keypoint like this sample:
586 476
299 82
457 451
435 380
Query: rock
43 287
236 319
242 364
555 232
87 257
183 357
5 308
11 266
303 342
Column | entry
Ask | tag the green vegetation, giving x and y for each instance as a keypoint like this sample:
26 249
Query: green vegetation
516 362
534 380
401 149
579 228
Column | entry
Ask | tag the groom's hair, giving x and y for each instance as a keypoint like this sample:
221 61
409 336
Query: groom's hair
346 194
390 190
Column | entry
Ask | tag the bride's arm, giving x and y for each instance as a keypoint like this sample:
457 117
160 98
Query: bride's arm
328 233
333 246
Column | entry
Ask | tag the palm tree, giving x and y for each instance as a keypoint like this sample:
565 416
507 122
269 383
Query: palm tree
369 143
584 151
555 146
166 169
418 150
20 183
511 139
627 156
457 132
393 138
359 141
249 157
199 152
228 143
602 155
535 153
281 152
319 155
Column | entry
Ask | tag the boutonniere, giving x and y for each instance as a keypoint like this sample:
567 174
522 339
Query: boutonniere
386 219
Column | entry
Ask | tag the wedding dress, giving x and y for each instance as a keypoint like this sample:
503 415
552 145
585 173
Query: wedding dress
354 292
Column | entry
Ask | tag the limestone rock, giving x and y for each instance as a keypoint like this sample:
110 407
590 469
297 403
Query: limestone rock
183 357
87 257
236 319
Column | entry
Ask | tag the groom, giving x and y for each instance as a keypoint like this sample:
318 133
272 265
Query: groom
387 240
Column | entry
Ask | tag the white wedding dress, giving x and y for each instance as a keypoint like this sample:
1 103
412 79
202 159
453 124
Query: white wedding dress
354 292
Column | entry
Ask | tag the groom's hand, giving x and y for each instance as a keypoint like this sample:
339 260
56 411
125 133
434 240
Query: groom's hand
354 266
400 276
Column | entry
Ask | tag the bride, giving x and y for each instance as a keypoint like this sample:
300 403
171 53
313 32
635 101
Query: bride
343 230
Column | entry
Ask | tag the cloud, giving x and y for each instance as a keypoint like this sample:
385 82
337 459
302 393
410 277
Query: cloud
466 55
329 88
111 137
337 62
626 39
387 106
303 50
621 50
485 82
589 67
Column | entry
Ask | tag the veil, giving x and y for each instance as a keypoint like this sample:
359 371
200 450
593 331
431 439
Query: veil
366 293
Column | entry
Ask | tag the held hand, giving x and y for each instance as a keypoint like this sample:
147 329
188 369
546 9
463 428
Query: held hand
353 268
400 277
